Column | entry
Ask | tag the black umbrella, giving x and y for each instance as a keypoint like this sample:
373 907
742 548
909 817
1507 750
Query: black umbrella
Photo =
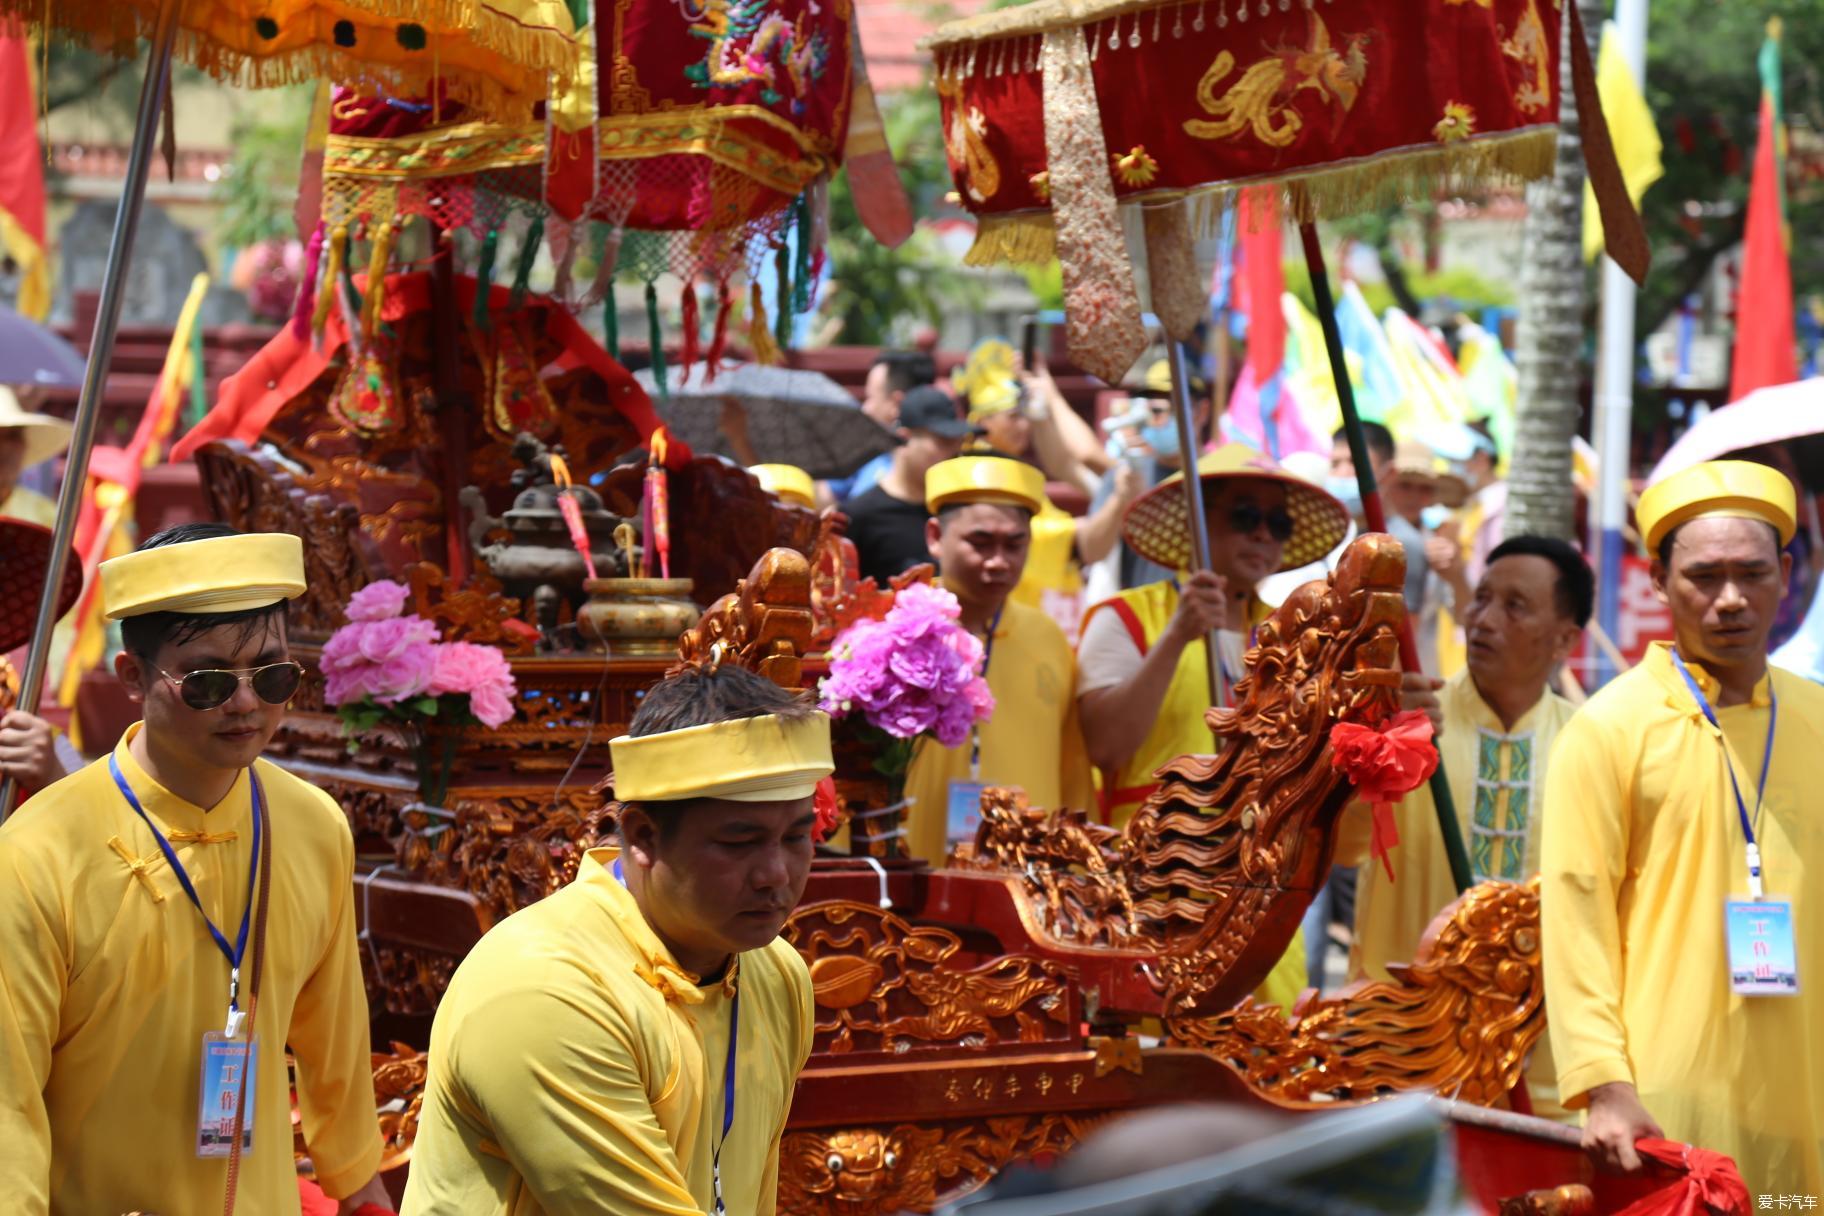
32 354
793 417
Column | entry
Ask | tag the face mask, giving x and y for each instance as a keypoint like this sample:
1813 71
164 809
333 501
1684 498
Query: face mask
1435 516
1345 489
1162 438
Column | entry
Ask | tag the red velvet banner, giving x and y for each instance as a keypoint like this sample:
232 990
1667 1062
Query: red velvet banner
1192 94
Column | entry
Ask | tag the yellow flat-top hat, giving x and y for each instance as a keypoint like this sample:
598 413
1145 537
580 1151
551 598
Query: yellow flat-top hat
787 481
991 479
1731 489
760 759
220 574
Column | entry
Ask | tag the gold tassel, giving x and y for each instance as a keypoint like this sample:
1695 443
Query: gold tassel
377 259
1000 239
331 281
760 331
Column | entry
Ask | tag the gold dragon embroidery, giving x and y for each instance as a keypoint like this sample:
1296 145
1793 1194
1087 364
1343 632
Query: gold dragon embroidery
964 139
1528 47
1264 99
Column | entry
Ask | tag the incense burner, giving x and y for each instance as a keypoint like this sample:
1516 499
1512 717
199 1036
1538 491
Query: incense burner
636 616
539 561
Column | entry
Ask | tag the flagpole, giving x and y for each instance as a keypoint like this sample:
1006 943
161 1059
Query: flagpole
1615 387
101 355
1448 827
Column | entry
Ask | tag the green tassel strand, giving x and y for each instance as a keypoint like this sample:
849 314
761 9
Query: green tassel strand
528 254
657 342
484 278
801 285
782 317
611 325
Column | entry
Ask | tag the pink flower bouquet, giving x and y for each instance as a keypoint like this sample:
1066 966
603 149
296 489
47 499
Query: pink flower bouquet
386 665
913 673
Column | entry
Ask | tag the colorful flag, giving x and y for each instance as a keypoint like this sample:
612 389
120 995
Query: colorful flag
1264 277
114 473
22 177
1631 128
1765 339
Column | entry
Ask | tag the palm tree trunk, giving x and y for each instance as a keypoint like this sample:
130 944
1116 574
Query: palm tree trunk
1548 344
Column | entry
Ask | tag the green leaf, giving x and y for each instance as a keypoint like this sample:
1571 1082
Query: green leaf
426 706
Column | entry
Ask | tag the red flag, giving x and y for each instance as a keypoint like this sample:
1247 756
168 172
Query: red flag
1264 280
1765 341
22 177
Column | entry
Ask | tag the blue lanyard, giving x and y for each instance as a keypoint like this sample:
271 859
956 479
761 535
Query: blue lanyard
728 1075
1760 795
975 732
234 953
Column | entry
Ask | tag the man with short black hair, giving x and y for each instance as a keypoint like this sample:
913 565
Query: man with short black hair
894 374
178 907
1683 944
1498 719
980 537
630 1044
887 523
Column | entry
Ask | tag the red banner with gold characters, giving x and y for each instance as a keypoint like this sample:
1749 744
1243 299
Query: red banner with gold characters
1335 99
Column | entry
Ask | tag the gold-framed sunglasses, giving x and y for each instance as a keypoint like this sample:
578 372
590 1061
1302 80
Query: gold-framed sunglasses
275 684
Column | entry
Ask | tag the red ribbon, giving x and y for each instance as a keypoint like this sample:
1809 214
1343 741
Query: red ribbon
1385 764
1710 1186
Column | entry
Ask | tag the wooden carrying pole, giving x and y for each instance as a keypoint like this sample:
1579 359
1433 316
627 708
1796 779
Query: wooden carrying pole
1376 516
101 354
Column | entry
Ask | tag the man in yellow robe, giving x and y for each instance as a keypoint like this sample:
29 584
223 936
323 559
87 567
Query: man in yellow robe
980 532
1142 683
630 1044
1646 842
124 889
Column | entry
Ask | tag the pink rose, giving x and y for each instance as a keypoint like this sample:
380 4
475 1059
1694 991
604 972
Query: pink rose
377 601
481 672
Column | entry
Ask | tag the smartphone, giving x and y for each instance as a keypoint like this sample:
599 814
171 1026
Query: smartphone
1029 341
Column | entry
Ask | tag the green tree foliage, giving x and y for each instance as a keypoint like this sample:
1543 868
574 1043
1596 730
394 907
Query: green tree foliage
1705 95
880 296
259 186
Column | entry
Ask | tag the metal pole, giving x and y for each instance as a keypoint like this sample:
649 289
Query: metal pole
1376 516
101 355
1193 499
1615 387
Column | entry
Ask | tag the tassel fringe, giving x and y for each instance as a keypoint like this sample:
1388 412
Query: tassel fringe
306 307
718 342
377 259
656 342
693 339
611 324
782 323
484 279
331 281
528 256
759 329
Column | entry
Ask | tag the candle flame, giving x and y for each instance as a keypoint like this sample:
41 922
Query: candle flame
658 446
560 472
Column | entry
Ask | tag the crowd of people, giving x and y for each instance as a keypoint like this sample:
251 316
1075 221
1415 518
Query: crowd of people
152 921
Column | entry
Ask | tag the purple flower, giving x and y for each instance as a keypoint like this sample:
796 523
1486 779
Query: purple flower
915 672
387 660
377 601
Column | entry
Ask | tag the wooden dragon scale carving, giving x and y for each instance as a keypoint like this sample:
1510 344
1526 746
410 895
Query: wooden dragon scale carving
1459 1020
1214 872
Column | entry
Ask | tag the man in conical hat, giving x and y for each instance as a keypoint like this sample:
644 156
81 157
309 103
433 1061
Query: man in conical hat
1684 952
630 1043
180 915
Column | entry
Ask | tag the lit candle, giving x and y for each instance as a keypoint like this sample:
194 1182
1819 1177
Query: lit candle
658 506
572 513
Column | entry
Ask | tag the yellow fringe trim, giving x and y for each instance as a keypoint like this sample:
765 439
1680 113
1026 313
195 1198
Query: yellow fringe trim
497 63
1321 193
1022 238
760 331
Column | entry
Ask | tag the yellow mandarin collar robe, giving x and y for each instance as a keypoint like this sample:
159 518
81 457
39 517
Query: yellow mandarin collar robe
1033 740
1642 846
110 981
575 1067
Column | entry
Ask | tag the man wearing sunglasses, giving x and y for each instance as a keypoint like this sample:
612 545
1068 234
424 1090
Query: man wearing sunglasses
1142 684
179 915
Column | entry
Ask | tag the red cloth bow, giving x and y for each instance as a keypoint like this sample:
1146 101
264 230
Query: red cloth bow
829 811
1385 764
1710 1186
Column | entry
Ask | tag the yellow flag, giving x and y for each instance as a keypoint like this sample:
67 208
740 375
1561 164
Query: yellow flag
1637 145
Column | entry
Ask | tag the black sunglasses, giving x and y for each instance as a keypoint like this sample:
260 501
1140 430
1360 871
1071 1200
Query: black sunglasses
274 684
1245 517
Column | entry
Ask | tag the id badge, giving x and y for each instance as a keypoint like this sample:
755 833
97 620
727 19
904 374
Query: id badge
227 1065
965 812
1763 958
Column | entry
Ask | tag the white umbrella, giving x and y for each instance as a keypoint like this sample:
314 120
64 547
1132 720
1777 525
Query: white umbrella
1767 415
